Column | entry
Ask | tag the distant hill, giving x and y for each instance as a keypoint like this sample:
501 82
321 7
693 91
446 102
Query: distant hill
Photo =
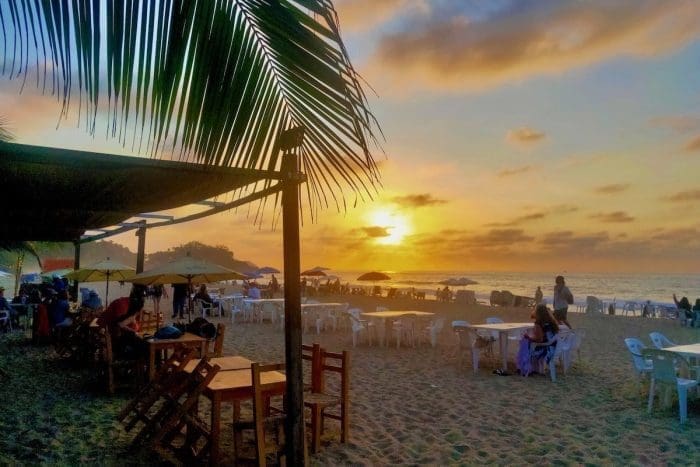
219 254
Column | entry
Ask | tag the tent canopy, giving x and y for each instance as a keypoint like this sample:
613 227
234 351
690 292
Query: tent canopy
93 190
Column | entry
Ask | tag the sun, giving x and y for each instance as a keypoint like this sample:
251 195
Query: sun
396 225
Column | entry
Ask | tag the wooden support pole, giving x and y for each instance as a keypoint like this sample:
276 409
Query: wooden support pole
76 266
294 428
141 251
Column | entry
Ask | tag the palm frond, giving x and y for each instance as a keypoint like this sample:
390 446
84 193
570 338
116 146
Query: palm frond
212 81
26 247
5 134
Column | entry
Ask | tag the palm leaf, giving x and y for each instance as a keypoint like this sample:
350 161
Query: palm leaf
25 247
211 81
5 134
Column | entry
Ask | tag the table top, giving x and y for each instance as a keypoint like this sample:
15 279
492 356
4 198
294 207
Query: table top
689 349
503 326
320 305
396 313
186 337
242 379
226 363
263 300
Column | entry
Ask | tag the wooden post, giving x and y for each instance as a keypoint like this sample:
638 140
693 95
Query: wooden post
294 427
76 266
141 251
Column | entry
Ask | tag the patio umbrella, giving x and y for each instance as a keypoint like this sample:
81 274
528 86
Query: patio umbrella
103 271
268 270
185 271
458 282
313 272
319 268
373 277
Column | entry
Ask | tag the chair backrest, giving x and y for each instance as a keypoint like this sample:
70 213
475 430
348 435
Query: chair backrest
336 362
660 341
578 335
666 364
218 350
438 324
636 348
312 355
463 333
260 402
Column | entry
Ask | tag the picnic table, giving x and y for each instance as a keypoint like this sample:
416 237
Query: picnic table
154 345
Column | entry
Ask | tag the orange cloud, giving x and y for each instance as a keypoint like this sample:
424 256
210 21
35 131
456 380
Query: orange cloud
515 171
612 217
684 196
612 189
693 145
362 15
524 135
376 231
457 52
417 201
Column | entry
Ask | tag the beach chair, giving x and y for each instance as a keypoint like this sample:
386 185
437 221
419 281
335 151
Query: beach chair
268 417
665 367
660 341
118 372
642 365
321 399
359 326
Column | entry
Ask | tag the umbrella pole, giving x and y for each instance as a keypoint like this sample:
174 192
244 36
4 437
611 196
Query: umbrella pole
107 292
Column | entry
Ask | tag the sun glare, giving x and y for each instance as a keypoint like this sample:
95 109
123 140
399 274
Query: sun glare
395 224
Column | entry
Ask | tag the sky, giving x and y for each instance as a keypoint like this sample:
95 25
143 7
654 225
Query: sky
541 136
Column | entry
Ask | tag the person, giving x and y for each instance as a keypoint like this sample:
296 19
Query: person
120 320
538 295
274 285
59 311
545 329
92 301
302 286
696 313
684 309
5 306
561 300
156 292
179 299
254 291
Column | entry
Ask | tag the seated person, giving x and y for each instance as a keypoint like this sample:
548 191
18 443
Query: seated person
120 320
60 311
93 301
254 291
545 329
203 295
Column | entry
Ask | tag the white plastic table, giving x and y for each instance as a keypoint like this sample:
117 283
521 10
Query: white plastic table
389 315
503 330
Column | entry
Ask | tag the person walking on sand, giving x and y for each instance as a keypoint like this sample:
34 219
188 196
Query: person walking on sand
561 300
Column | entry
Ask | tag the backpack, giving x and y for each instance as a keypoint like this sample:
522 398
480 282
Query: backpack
202 328
168 332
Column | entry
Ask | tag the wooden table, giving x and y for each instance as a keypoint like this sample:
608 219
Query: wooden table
225 363
154 345
388 316
503 330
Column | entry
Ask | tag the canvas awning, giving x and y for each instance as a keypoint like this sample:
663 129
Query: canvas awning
55 194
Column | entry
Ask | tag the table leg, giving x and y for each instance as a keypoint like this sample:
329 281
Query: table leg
215 428
503 341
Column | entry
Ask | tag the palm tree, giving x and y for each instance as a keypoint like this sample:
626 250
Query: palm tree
209 81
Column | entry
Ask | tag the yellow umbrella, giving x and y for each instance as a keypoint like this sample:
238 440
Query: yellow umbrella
103 271
185 271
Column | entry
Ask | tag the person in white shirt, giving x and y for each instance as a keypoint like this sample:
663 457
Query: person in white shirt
561 300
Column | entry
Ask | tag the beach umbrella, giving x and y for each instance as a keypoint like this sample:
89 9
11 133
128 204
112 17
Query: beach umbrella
103 271
185 271
319 268
267 270
373 277
313 272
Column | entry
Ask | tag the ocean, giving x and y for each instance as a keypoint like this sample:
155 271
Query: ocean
658 288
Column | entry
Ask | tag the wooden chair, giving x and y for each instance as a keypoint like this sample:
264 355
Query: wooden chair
266 417
170 442
320 399
312 355
155 399
119 372
150 322
218 350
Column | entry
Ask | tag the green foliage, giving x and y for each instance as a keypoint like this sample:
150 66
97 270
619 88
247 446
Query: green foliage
215 81
219 254
5 134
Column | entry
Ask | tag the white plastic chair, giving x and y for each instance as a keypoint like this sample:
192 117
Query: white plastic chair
237 307
465 341
665 364
578 334
642 365
660 341
433 330
201 307
562 353
358 325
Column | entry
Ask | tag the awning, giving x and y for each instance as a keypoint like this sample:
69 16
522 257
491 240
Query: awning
57 194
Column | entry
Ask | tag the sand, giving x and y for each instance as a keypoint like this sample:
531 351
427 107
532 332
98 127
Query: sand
416 406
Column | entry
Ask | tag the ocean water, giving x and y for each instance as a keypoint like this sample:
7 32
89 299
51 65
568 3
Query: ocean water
658 288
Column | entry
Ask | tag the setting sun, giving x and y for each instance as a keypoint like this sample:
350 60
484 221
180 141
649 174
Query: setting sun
396 226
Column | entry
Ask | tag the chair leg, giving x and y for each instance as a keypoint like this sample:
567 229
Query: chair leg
553 370
315 428
650 402
683 402
475 360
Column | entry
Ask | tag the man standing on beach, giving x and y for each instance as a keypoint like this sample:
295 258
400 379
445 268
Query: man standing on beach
562 299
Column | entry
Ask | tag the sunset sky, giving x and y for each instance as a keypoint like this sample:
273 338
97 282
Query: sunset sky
520 135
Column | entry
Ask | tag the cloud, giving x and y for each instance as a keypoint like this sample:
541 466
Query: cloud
453 49
683 196
693 145
677 123
564 208
376 231
417 201
519 220
612 217
514 171
566 240
362 15
524 135
612 189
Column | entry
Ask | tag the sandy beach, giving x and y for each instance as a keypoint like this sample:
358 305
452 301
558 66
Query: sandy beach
410 406
416 406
